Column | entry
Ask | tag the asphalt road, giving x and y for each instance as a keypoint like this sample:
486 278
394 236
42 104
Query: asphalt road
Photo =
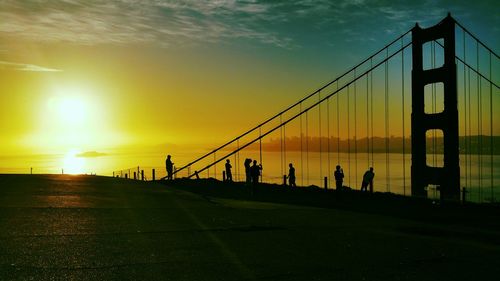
97 228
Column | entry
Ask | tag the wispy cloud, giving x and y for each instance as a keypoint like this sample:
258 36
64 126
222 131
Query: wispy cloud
127 21
177 22
26 67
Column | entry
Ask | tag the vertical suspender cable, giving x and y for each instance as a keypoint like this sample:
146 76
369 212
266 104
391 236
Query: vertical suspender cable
469 127
466 136
355 136
479 129
301 148
320 148
367 121
403 113
329 139
371 108
338 125
281 146
260 151
387 122
433 90
238 160
348 137
284 150
307 147
491 135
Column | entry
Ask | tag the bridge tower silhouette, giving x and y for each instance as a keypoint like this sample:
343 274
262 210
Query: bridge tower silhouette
448 176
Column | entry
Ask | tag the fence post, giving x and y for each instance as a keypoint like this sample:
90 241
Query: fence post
135 176
126 175
154 176
464 191
142 175
326 183
223 176
31 171
113 174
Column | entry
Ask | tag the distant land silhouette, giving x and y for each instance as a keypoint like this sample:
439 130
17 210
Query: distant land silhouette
468 145
89 154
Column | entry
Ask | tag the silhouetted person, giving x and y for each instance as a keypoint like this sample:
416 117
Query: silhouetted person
248 173
229 175
255 172
170 167
291 175
368 180
339 177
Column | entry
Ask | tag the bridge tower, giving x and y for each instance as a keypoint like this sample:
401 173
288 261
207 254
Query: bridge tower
448 176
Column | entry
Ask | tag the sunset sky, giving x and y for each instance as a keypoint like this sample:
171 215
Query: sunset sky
94 75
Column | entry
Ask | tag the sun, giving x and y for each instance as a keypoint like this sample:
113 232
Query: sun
68 110
72 164
72 110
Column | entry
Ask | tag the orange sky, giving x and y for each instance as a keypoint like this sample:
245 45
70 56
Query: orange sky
90 77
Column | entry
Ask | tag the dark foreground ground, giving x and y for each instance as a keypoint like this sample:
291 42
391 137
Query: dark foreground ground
96 228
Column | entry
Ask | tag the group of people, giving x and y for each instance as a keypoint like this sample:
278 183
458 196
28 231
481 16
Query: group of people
253 172
367 179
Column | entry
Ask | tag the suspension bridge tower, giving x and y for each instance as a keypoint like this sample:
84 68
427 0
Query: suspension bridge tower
446 177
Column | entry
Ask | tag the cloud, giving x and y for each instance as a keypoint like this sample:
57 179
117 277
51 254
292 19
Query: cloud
178 23
26 67
128 21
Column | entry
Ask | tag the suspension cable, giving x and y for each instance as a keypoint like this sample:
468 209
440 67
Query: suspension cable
334 93
336 80
475 38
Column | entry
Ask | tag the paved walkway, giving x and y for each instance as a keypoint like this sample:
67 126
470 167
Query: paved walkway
95 228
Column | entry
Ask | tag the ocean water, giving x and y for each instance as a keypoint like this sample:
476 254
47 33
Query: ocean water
479 174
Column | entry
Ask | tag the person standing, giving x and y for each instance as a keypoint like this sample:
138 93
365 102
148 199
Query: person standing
339 177
229 175
368 180
170 167
291 175
255 172
248 175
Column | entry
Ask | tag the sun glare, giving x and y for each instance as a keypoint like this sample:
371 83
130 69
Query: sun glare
73 164
68 111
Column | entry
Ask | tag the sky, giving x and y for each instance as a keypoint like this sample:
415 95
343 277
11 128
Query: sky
96 75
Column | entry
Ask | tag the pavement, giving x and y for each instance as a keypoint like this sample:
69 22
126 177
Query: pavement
63 227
